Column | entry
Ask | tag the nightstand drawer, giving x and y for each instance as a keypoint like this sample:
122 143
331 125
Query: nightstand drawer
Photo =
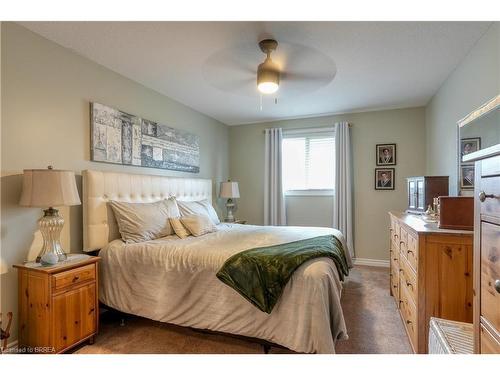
73 277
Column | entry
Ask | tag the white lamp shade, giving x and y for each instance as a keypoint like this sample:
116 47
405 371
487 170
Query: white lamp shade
49 188
229 190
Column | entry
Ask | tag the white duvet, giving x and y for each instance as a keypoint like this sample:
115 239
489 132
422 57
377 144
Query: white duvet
173 280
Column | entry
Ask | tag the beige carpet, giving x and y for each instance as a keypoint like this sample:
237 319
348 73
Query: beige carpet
373 325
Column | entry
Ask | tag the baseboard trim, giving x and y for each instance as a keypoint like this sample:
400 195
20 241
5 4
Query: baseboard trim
370 262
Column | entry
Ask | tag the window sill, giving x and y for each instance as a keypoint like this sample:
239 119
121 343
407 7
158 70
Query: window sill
309 193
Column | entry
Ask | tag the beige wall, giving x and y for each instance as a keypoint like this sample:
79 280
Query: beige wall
405 127
46 90
474 82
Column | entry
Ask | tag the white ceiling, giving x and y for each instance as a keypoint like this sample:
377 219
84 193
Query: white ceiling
378 65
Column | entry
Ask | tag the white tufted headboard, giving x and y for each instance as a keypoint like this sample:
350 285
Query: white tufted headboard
99 224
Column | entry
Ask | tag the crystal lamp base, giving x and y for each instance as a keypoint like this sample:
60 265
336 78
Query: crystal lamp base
51 225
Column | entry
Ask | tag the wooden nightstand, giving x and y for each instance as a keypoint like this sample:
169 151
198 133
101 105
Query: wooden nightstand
58 305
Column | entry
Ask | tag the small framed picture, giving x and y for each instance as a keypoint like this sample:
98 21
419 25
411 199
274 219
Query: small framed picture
469 145
384 178
386 154
467 177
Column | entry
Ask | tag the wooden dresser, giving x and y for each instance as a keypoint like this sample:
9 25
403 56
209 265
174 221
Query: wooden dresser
487 255
58 306
431 274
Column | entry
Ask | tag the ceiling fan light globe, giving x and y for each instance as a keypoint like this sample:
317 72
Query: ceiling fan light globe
268 87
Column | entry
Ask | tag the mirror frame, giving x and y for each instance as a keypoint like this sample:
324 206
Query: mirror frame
488 107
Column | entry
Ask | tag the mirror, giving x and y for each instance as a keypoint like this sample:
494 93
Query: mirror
477 131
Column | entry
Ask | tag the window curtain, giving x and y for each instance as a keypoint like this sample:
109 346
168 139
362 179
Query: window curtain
274 200
342 210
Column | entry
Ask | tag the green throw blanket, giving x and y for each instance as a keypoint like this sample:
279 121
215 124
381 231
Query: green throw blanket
260 274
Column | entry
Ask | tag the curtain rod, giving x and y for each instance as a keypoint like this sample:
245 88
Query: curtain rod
312 130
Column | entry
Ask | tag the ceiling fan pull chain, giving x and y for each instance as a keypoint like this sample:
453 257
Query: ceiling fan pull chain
261 102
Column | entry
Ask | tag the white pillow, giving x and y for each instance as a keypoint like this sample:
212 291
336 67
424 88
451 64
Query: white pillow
179 229
203 207
140 222
198 225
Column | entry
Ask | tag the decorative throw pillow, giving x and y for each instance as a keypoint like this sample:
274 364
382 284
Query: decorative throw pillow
178 227
138 222
203 207
198 225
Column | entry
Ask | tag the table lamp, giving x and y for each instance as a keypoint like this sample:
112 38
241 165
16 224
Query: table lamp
229 190
49 188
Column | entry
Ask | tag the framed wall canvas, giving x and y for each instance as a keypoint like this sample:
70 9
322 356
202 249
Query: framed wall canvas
467 177
469 145
386 154
384 178
121 138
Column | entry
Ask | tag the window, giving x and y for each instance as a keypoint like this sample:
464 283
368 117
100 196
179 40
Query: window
309 164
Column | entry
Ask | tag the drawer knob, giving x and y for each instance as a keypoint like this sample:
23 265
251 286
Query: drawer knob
76 278
497 285
483 196
408 321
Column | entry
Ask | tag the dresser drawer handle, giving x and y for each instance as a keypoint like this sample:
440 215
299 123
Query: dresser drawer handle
75 279
409 321
497 285
409 284
409 251
483 196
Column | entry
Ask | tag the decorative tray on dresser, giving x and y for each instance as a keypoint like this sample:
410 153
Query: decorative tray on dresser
431 274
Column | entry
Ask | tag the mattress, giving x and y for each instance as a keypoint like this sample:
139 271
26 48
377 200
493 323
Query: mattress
174 280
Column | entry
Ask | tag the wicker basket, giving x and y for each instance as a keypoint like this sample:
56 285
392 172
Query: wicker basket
449 337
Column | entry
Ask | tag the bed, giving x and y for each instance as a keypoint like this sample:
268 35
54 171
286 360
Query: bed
174 280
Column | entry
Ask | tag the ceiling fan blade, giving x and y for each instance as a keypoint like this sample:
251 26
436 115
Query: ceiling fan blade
236 84
290 76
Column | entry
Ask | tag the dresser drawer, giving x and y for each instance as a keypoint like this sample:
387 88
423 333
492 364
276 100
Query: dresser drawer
395 285
395 232
491 205
403 241
409 314
412 252
409 279
490 166
394 253
489 345
72 277
490 273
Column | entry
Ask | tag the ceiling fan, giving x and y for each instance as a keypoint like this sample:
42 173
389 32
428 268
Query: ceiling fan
288 68
268 73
